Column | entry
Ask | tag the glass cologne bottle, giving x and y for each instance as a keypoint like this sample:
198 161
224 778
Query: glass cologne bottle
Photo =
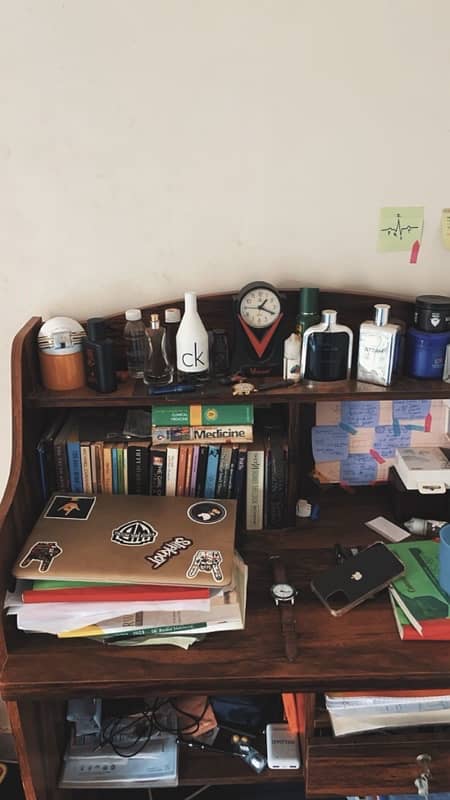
379 341
157 369
327 350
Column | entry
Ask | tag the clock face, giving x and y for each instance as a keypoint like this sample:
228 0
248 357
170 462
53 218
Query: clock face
260 307
283 591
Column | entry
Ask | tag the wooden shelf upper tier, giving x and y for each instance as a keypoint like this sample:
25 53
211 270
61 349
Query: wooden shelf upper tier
134 393
360 650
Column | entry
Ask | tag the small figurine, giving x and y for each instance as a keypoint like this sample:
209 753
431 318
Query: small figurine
243 388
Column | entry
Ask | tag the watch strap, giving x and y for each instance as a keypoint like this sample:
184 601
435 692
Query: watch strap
279 569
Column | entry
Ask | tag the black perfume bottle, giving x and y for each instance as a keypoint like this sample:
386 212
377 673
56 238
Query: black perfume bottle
327 350
99 357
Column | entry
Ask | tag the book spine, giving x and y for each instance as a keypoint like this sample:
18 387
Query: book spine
85 453
201 471
61 466
99 466
241 472
171 471
211 470
120 482
277 485
142 469
233 414
255 490
187 477
157 471
42 471
115 473
195 457
203 434
181 475
232 473
107 470
125 469
74 463
93 468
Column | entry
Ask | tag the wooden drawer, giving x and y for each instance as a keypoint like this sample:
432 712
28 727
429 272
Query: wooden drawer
381 762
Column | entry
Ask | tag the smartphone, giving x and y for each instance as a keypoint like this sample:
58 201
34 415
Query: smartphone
347 585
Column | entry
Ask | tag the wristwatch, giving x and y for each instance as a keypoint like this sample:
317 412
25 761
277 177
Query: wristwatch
284 594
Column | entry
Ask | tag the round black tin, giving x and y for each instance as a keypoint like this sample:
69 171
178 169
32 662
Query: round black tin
432 313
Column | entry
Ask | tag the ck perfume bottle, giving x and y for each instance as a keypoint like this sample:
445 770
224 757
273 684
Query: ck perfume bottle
192 343
327 350
379 341
157 369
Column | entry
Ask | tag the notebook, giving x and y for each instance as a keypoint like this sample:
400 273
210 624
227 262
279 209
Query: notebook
178 541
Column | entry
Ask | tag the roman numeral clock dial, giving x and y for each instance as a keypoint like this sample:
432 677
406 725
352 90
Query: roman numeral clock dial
258 337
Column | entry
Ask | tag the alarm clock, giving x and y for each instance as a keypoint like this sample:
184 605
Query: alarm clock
258 335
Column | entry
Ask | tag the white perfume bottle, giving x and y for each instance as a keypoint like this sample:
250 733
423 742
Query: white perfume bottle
291 357
379 341
192 343
327 350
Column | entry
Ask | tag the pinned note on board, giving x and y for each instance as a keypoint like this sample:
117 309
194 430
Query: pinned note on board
445 227
400 228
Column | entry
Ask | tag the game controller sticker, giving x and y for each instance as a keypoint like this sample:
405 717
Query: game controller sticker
136 532
207 512
207 561
168 550
45 552
65 506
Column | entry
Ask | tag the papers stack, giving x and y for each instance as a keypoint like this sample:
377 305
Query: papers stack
355 713
187 612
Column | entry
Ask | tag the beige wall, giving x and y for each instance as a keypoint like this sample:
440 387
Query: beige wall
150 146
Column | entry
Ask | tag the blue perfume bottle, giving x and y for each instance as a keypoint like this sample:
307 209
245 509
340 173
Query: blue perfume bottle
327 350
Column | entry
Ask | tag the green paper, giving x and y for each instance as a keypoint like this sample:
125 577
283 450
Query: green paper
399 227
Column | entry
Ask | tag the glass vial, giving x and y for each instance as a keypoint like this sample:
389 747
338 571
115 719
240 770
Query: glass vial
378 346
99 357
157 369
192 343
135 341
172 318
327 350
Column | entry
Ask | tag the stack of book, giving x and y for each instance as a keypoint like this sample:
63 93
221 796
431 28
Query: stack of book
421 608
355 712
130 570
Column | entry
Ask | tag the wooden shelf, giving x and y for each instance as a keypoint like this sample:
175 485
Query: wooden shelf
134 393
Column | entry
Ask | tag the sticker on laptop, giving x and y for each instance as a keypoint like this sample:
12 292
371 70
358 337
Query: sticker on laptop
134 533
207 561
70 507
44 552
168 550
207 512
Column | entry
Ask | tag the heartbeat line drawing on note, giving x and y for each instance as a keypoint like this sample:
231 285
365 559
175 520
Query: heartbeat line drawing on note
399 229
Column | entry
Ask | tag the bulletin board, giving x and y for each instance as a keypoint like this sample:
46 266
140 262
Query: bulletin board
354 442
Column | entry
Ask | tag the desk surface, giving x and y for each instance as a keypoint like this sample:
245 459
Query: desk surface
360 650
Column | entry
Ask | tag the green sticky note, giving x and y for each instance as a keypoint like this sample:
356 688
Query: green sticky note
399 228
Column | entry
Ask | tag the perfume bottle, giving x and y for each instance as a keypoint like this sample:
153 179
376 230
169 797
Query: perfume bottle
192 343
327 350
157 369
378 346
308 310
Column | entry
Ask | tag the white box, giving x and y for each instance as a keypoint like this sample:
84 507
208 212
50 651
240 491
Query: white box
426 469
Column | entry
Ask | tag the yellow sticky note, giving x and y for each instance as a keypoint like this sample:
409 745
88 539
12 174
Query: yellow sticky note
445 227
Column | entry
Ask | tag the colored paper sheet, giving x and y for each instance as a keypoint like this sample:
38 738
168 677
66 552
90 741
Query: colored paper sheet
360 413
359 468
410 409
388 438
445 227
399 228
329 443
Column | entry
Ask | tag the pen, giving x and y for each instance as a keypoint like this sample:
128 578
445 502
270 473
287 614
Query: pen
173 388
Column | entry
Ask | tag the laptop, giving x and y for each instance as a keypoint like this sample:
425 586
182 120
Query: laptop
173 541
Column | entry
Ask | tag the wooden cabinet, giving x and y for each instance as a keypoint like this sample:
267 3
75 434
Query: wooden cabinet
359 651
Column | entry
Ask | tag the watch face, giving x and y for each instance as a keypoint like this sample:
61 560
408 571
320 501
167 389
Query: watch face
283 591
260 307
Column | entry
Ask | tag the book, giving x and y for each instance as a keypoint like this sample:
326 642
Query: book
181 475
200 434
157 471
98 456
171 471
254 516
92 592
187 476
107 468
138 467
223 471
85 453
115 470
93 459
201 470
120 449
275 496
418 466
232 414
232 472
46 456
195 455
212 466
419 590
60 456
